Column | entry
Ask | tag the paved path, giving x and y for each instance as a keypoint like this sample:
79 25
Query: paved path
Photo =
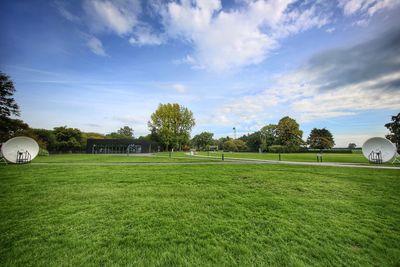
227 162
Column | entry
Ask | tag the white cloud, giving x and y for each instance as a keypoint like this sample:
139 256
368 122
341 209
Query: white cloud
347 100
383 4
221 39
65 12
366 7
118 16
298 94
131 119
96 46
338 82
144 36
186 60
180 88
229 39
330 30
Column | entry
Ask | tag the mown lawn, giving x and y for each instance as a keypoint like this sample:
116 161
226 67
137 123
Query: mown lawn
169 215
114 158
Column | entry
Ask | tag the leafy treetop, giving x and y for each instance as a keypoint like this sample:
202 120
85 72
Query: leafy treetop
171 124
8 106
394 128
288 133
320 139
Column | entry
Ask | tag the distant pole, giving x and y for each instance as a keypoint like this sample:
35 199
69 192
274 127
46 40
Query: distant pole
234 133
319 157
222 156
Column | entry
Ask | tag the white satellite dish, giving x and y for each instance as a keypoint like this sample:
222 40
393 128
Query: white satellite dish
20 149
379 150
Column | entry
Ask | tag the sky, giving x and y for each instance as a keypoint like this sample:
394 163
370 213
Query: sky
98 65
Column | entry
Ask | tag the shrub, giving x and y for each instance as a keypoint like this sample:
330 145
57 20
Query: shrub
241 145
43 152
286 149
230 146
277 149
234 145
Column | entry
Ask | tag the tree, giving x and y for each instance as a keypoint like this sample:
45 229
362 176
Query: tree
8 106
203 140
289 134
352 146
253 141
320 139
229 145
172 123
90 135
126 131
68 139
47 138
268 136
10 128
147 138
221 141
241 146
394 128
234 145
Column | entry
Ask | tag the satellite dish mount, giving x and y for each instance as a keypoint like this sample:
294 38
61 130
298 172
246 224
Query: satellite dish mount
375 157
23 156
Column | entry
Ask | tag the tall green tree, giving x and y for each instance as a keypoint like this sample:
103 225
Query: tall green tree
126 131
253 141
10 127
8 106
68 139
289 134
352 146
172 124
394 128
268 136
320 139
47 138
221 141
203 140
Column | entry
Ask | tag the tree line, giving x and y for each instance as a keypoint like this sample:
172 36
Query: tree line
170 126
285 136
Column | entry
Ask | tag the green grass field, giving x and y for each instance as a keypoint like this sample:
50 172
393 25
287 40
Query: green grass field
169 215
356 158
116 158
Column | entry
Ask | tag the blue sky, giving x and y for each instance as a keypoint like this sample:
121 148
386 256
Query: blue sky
98 65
